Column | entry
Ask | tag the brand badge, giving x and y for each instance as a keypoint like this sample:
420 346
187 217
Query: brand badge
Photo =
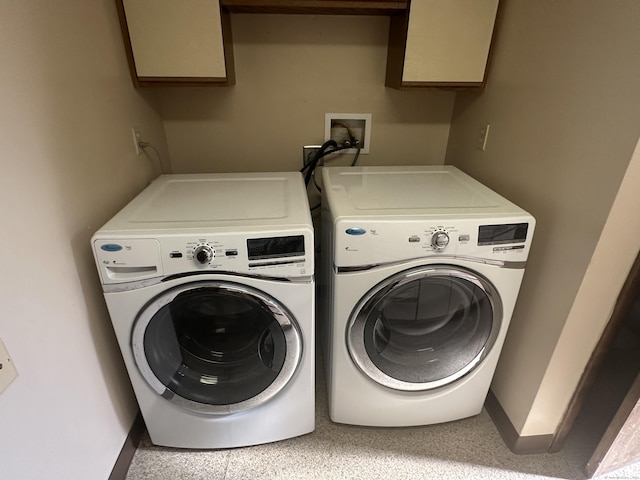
111 247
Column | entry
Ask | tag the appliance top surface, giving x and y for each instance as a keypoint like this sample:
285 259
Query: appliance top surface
216 201
409 191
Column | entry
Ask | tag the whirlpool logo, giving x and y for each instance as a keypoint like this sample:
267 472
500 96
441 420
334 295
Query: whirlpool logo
111 247
355 231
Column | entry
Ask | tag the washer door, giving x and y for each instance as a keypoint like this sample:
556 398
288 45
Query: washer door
424 328
216 347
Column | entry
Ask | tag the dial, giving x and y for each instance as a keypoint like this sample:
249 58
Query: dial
203 254
439 240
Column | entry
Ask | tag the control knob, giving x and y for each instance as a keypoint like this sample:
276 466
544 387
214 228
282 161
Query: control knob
203 254
439 240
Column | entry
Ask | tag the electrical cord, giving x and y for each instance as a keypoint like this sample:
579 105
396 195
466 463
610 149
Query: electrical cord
321 153
315 182
355 159
352 137
353 142
144 146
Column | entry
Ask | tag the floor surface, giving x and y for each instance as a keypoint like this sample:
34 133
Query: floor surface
470 448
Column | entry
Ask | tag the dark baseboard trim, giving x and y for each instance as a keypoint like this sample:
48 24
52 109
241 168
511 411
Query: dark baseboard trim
516 443
121 467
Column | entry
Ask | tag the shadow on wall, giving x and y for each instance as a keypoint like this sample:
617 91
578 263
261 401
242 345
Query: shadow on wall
104 339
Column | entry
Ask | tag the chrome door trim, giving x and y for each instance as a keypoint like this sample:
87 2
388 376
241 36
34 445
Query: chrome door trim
290 328
128 286
357 320
439 258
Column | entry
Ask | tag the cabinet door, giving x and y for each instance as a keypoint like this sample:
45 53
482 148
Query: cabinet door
177 42
441 43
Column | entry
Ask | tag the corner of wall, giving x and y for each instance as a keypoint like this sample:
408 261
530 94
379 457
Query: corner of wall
520 444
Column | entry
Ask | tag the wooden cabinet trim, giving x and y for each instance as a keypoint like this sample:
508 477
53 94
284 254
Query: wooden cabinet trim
396 45
317 7
124 28
227 45
439 85
181 81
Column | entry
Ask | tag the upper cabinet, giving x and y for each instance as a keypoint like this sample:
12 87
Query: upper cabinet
432 43
441 44
170 42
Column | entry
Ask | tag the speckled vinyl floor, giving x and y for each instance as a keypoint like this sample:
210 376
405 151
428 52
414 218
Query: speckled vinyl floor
470 448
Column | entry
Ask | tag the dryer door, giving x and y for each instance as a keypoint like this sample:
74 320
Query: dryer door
216 347
425 327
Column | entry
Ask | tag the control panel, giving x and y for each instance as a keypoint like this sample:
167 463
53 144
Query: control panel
508 239
283 255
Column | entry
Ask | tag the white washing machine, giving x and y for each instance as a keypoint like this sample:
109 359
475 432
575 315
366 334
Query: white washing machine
421 267
209 284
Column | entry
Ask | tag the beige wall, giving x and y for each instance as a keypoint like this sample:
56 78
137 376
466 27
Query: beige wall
565 119
595 301
564 116
290 70
67 165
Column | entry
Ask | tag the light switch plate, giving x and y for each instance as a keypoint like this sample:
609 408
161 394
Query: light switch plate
8 371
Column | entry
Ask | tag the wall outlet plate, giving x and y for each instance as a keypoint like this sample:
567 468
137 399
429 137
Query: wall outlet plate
483 136
308 153
342 126
137 138
8 371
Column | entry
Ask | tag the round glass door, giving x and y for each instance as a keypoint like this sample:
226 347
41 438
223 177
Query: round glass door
424 328
216 347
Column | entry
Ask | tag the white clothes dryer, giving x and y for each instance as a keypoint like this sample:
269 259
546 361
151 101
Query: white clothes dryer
208 280
421 268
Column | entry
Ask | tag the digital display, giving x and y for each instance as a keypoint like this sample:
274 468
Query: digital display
275 247
500 234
